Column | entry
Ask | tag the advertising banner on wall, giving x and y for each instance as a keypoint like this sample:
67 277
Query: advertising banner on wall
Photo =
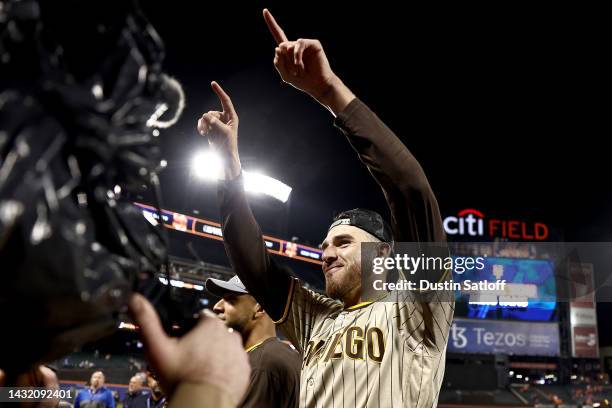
507 337
583 316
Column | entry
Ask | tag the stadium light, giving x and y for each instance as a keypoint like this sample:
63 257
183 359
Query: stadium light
260 183
127 326
207 165
180 284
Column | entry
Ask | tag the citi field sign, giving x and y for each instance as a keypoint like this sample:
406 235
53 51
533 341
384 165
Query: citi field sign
473 223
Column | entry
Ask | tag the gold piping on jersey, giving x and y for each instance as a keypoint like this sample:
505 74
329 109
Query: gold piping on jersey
360 305
254 346
288 304
366 303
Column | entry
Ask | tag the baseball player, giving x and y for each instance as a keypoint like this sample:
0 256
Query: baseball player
357 352
275 367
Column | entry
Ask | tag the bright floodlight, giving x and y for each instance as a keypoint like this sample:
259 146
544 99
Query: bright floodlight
259 183
209 166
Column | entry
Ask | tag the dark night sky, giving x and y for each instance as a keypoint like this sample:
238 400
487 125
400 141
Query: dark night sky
503 108
501 111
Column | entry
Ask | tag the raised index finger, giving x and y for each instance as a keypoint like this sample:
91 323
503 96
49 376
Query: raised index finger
275 30
226 101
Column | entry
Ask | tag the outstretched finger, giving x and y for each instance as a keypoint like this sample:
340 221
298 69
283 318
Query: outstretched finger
276 31
226 101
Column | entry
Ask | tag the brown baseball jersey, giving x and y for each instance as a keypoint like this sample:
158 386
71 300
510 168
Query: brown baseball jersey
388 353
275 376
385 353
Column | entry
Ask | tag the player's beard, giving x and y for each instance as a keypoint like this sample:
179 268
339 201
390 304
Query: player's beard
341 283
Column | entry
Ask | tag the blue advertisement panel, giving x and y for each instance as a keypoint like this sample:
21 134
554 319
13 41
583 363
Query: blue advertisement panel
506 337
529 295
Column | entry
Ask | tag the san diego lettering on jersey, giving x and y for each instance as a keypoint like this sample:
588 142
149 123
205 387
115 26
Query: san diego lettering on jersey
356 342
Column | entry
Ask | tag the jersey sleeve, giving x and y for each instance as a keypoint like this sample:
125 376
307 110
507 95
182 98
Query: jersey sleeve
424 318
266 280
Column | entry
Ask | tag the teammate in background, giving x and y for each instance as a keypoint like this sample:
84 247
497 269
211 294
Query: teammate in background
356 352
96 394
275 367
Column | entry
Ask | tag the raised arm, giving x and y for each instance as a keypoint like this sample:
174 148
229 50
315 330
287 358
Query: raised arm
303 64
242 237
414 210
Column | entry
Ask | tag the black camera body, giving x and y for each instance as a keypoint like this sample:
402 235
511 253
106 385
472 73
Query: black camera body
79 113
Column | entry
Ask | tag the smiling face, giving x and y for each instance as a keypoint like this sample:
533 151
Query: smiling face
342 261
